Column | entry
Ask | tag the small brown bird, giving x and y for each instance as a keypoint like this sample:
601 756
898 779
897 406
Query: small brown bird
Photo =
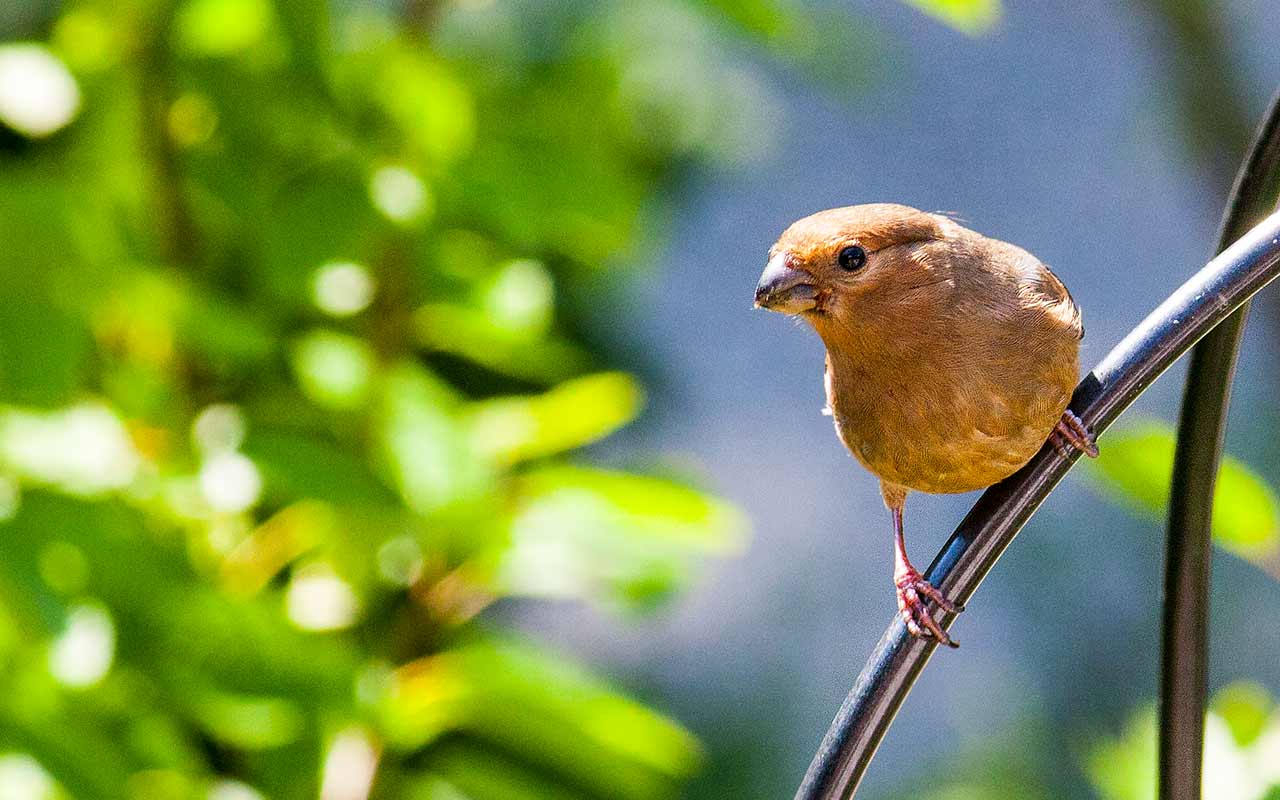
951 357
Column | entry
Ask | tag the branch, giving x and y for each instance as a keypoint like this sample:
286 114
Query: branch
1205 300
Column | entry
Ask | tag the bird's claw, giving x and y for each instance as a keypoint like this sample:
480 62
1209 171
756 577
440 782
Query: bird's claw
914 592
1070 431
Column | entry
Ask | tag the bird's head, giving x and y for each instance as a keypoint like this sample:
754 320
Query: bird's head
825 263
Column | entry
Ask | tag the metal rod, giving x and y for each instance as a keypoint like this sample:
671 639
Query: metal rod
1184 657
1169 331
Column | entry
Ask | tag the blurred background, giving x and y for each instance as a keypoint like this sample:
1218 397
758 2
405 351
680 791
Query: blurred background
382 413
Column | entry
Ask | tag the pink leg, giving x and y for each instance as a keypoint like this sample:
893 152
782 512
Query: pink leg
914 592
1071 432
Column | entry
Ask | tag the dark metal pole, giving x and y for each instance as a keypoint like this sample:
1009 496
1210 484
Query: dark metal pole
1184 655
1204 301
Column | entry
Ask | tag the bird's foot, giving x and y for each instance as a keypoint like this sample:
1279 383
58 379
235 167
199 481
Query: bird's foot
914 592
1071 432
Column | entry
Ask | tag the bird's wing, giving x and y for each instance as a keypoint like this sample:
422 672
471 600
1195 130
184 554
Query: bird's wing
1057 300
1039 290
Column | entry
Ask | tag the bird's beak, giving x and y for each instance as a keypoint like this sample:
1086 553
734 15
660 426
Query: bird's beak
785 288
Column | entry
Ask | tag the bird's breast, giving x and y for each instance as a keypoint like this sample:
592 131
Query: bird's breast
943 428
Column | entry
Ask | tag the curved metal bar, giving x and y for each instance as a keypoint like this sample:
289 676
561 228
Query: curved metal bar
1204 301
1184 657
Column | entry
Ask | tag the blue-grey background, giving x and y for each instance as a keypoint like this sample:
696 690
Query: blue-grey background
1065 130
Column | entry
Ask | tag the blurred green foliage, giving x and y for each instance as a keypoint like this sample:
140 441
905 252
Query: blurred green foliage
287 400
1136 467
1242 730
1242 742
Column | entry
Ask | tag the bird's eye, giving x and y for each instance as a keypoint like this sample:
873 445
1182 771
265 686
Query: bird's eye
851 258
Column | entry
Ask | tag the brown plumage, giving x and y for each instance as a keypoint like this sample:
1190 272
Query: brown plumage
951 357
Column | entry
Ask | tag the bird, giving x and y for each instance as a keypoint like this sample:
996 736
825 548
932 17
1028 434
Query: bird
951 357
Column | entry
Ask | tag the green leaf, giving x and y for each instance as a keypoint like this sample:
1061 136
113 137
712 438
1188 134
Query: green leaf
243 721
475 335
426 102
1137 467
967 16
430 459
1246 708
1124 768
152 309
466 770
520 700
659 508
575 413
580 532
294 466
